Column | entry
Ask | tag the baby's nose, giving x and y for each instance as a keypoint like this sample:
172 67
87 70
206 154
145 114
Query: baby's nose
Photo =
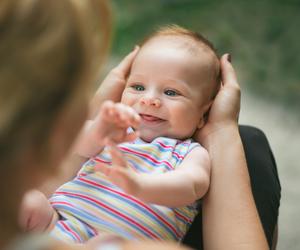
151 101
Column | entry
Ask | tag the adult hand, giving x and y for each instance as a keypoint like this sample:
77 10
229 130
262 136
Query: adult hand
237 225
226 106
114 83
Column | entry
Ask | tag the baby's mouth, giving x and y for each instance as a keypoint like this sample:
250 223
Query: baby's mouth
150 118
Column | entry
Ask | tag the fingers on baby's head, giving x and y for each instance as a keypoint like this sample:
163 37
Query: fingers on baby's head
228 72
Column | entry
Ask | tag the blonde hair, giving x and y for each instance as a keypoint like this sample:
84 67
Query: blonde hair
194 42
48 50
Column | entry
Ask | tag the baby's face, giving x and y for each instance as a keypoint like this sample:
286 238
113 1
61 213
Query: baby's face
168 87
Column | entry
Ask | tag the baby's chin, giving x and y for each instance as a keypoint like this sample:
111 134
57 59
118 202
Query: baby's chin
149 137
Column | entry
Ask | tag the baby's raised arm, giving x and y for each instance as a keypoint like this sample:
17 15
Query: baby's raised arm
110 124
183 186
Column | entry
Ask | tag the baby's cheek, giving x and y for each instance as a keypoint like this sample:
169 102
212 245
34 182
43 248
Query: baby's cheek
126 98
190 123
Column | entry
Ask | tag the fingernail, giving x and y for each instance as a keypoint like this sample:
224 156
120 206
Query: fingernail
229 58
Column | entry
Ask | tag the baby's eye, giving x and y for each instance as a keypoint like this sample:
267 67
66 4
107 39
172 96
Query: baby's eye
138 87
171 92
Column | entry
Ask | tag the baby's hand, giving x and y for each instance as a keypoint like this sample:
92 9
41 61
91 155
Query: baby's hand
113 121
119 173
111 124
36 213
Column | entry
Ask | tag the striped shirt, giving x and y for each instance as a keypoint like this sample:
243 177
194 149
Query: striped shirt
90 204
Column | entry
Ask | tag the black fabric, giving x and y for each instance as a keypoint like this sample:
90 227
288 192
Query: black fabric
265 185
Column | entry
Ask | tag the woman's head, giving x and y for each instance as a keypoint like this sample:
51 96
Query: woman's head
45 60
50 51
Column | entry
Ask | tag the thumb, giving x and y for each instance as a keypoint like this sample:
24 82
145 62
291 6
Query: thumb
228 74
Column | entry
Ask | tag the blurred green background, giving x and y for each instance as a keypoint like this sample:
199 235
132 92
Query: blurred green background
262 36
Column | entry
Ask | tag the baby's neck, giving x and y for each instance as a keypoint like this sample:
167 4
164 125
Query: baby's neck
151 140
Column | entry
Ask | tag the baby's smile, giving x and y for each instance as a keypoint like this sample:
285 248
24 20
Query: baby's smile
150 119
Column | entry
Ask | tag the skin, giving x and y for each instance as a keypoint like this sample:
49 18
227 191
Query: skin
216 235
38 216
110 89
168 91
168 88
229 177
240 214
155 103
38 170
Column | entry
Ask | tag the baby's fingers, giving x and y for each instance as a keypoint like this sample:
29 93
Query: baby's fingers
106 110
228 73
125 115
103 169
117 158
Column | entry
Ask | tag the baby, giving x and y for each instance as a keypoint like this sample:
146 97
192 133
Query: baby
147 186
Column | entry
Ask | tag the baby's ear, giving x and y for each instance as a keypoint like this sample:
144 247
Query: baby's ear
204 114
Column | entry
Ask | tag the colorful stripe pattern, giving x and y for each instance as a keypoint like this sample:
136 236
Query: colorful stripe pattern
90 204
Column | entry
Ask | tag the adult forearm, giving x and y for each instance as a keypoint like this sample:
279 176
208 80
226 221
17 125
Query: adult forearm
230 218
107 91
113 85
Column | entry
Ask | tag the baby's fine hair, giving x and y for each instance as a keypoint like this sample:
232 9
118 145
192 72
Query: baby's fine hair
193 42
